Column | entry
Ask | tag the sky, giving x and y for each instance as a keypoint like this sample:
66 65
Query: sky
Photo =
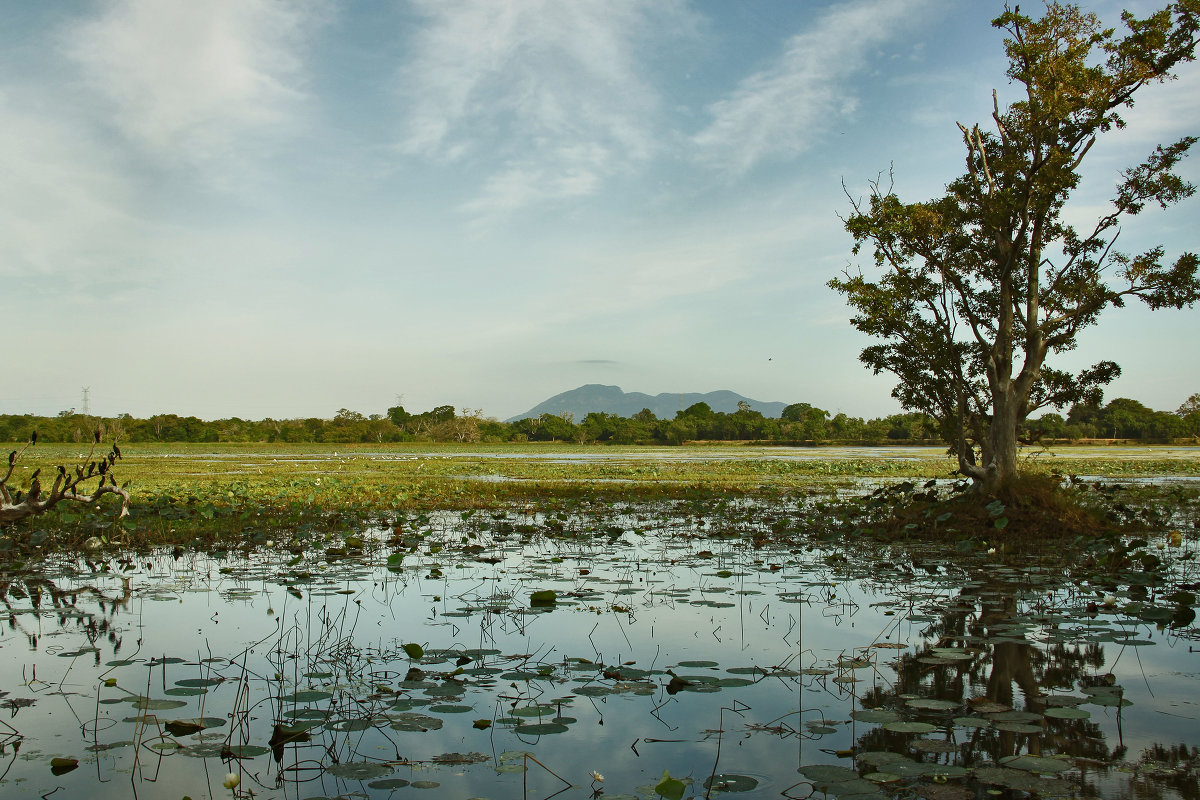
282 208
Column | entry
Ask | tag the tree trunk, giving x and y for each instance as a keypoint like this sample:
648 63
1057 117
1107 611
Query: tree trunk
1003 433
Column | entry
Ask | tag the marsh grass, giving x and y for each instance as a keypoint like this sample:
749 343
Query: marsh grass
235 495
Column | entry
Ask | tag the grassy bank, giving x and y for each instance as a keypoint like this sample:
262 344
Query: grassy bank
211 489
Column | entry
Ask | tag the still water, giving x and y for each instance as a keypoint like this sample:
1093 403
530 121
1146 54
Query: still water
520 655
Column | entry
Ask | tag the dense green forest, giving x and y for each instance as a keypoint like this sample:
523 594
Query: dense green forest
801 423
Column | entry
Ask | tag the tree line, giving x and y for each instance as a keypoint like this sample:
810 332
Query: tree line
799 423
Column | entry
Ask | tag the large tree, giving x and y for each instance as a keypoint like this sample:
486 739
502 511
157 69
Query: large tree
980 286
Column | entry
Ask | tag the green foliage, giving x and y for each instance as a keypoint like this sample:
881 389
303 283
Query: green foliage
543 597
670 788
980 286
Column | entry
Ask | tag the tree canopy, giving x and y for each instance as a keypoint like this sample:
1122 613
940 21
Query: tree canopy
980 286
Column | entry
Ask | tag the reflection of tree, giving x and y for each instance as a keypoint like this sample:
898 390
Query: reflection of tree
41 593
1168 767
1005 671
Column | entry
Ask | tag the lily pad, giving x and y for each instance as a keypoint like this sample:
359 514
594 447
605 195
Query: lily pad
1017 727
359 770
930 704
542 729
881 777
1037 764
388 783
307 696
972 722
1067 712
150 704
827 773
909 727
247 750
729 782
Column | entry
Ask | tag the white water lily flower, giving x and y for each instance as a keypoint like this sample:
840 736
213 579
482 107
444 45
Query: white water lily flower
1110 600
597 777
991 551
232 780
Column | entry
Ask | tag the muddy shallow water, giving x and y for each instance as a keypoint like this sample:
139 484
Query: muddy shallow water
513 655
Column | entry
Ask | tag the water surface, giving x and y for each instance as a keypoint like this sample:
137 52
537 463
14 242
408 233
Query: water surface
429 659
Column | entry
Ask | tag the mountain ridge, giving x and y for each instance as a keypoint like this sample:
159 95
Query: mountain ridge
599 397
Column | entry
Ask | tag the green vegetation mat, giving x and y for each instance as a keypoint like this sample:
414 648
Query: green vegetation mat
207 488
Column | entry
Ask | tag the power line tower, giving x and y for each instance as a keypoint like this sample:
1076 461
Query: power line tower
86 390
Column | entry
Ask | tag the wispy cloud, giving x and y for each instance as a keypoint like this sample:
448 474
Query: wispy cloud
191 79
61 202
783 109
555 91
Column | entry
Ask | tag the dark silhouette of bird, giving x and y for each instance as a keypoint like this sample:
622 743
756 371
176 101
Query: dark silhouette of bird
12 458
33 438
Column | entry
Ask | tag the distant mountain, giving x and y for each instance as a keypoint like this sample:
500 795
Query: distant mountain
610 399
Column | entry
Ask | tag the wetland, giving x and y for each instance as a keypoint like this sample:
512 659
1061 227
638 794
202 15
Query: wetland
707 624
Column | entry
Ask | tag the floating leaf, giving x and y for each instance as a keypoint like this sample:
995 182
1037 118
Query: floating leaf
247 750
909 727
881 777
148 704
827 773
349 725
1067 712
182 728
545 597
929 704
414 651
543 729
388 783
972 722
533 711
359 770
729 782
307 696
60 766
1036 764
670 788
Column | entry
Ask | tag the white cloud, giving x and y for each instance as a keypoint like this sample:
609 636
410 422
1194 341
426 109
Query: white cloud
188 79
554 90
783 109
62 202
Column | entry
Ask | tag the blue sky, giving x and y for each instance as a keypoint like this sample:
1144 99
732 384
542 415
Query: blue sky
268 208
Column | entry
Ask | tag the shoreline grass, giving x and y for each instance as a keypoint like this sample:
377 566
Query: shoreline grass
185 490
